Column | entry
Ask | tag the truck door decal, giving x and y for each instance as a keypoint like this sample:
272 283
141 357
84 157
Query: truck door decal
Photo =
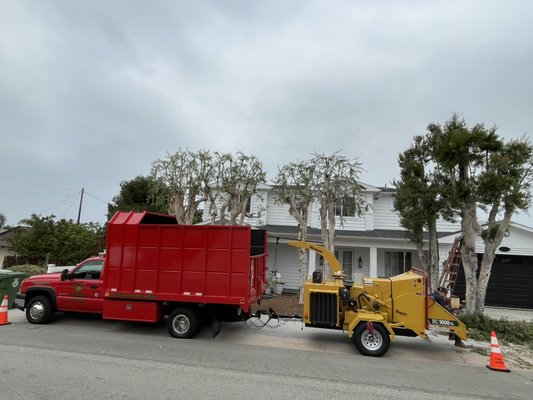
78 289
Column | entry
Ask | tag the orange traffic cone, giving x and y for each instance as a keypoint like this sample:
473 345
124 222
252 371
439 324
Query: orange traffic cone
3 311
496 357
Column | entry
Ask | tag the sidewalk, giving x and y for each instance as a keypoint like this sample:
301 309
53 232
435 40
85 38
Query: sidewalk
511 314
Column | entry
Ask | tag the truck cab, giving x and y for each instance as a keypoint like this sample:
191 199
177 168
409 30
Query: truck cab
77 290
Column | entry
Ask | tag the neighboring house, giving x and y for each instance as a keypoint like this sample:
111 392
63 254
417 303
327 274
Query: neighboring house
374 245
5 234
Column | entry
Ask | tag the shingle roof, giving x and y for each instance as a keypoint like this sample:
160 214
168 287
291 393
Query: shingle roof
292 232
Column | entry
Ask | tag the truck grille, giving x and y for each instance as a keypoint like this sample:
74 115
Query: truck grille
323 308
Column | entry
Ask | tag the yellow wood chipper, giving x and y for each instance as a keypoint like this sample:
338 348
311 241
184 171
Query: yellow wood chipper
376 310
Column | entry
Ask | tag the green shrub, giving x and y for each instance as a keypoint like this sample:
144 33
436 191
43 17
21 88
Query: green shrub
29 269
480 326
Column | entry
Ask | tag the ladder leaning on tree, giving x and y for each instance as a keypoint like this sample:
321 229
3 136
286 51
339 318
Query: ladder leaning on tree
451 267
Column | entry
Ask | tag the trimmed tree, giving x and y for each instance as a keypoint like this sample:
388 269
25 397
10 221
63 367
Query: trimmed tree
294 187
187 177
473 170
482 172
224 181
419 203
337 191
330 181
240 176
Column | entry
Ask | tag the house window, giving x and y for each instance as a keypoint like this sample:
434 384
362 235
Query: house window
345 258
345 207
298 200
397 262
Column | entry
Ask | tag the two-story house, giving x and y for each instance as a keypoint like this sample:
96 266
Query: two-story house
376 245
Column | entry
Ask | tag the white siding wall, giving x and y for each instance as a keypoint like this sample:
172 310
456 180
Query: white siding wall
381 214
518 241
258 207
314 216
446 226
351 223
347 223
384 215
278 214
286 264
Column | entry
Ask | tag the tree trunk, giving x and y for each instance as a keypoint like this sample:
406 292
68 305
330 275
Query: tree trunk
179 208
301 215
433 255
469 255
331 227
491 245
213 212
325 236
484 276
304 271
422 255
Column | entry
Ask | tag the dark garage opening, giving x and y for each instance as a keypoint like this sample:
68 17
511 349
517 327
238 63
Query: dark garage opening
510 284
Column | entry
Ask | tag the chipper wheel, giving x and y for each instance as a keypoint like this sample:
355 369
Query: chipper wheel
371 339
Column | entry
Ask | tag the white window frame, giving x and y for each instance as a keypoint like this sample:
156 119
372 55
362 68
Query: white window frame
345 210
397 262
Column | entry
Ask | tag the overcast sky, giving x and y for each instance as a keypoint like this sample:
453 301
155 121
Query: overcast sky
92 92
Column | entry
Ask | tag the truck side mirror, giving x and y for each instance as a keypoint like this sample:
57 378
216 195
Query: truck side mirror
64 274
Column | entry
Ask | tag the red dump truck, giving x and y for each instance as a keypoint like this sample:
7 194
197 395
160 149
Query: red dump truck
154 268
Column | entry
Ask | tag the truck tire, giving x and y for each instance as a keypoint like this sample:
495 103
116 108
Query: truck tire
369 343
39 310
183 323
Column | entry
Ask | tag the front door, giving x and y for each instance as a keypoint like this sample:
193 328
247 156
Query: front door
83 291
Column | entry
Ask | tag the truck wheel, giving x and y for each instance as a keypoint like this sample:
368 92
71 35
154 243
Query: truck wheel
39 310
373 343
183 323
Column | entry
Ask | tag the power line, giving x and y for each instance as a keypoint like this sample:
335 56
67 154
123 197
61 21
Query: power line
46 186
61 202
37 184
69 207
96 198
64 201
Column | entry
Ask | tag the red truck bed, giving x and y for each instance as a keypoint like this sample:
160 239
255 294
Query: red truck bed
150 257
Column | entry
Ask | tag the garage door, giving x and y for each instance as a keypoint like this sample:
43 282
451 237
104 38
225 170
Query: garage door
510 284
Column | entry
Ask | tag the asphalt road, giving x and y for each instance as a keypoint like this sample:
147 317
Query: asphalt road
86 358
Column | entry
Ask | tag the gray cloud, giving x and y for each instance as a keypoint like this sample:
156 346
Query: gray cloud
93 92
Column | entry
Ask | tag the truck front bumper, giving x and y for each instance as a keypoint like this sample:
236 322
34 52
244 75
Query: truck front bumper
20 301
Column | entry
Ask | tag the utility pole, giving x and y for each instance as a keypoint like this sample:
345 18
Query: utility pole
81 201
